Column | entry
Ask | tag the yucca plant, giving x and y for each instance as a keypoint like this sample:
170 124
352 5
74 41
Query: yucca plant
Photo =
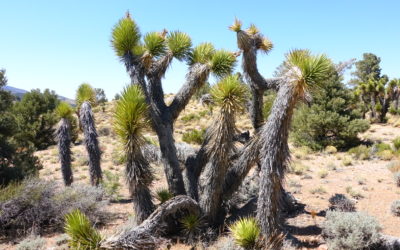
85 98
163 194
302 72
192 225
82 235
245 232
230 95
63 138
130 119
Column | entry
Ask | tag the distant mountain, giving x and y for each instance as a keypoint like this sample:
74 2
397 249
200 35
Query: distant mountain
19 93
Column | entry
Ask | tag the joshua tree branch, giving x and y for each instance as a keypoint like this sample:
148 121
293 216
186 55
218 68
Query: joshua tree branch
160 223
195 79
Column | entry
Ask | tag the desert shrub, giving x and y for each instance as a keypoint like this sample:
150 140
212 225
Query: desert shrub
62 239
82 234
394 166
32 243
385 155
104 131
118 156
395 208
397 179
163 194
350 230
39 206
354 193
298 169
382 147
194 136
111 184
396 143
361 152
190 117
318 190
302 153
340 202
245 231
330 149
323 173
331 119
347 161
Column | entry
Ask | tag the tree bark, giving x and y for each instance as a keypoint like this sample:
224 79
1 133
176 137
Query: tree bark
64 150
275 156
160 223
91 142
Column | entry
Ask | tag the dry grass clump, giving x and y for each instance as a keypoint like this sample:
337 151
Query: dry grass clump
323 173
298 168
331 150
318 190
353 193
361 152
347 161
395 208
394 166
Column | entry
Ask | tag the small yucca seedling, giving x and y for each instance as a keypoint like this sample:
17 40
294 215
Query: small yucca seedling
245 231
82 235
163 195
191 224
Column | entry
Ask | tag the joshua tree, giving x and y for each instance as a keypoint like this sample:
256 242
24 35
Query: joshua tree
230 95
63 137
146 62
130 118
301 72
85 97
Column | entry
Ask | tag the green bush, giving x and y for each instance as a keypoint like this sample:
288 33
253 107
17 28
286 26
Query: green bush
82 235
111 184
245 231
382 147
192 225
194 136
396 143
361 152
331 118
350 230
190 117
340 202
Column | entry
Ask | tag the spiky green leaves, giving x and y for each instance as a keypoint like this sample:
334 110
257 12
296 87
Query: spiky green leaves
265 45
245 231
236 26
125 36
304 69
64 110
154 44
202 53
85 93
82 234
179 43
222 63
130 115
230 94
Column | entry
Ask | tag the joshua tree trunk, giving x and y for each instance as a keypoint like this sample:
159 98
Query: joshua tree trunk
373 106
64 150
139 178
163 116
91 143
275 157
219 145
385 102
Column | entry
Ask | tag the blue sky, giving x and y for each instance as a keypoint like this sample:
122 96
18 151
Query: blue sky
60 44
